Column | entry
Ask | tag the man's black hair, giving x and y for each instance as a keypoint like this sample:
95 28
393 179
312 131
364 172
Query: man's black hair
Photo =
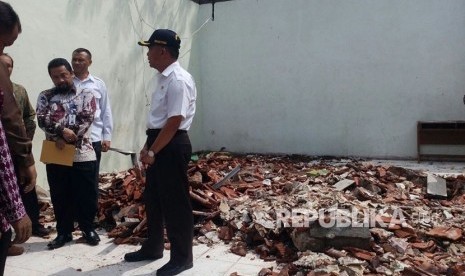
8 18
173 51
57 62
80 50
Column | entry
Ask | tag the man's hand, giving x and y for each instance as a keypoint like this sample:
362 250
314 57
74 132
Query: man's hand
23 229
147 160
69 135
105 145
60 143
143 152
27 178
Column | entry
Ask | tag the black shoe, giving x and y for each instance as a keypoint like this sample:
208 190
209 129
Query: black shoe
60 240
91 237
40 231
138 256
170 269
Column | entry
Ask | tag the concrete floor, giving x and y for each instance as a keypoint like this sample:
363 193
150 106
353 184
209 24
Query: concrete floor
107 258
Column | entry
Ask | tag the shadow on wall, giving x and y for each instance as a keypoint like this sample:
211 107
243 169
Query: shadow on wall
121 63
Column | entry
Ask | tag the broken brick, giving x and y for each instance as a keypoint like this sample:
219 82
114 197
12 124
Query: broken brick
450 233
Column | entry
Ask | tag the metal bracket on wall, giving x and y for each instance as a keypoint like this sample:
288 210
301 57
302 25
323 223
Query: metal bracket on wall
201 2
213 10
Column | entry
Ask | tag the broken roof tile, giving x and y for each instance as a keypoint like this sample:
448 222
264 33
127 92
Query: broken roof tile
409 232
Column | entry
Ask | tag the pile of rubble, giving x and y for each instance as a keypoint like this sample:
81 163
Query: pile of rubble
311 216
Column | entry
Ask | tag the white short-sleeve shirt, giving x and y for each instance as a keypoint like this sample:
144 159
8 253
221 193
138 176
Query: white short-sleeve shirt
174 95
102 126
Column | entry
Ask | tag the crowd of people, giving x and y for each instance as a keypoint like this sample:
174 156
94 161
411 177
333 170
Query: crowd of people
76 112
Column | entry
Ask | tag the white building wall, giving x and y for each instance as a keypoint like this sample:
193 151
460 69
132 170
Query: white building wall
319 77
110 30
329 77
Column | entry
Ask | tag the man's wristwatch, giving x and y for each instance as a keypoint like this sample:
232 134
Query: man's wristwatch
151 154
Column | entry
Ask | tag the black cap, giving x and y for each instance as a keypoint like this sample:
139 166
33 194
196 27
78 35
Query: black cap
163 37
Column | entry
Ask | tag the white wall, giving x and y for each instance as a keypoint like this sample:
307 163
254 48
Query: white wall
332 77
110 30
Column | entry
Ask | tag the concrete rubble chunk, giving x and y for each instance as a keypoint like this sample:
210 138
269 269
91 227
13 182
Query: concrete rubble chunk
436 186
319 239
343 184
400 245
314 260
370 186
305 204
363 194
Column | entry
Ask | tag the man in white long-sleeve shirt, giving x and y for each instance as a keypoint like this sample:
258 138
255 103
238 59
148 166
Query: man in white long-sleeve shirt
103 122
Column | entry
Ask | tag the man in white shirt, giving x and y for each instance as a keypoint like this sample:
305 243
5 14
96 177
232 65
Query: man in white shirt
166 155
103 122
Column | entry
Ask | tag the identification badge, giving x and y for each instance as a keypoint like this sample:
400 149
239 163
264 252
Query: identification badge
72 119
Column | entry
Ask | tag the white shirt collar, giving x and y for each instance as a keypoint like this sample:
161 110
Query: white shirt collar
89 78
170 69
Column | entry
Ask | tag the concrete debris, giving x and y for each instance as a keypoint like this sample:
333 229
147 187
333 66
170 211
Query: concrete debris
314 260
400 245
436 186
343 184
311 216
320 238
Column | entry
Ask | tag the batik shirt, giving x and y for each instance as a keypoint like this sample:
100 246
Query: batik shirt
11 206
73 109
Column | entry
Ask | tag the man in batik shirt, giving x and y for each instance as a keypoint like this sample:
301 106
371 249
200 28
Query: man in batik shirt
11 207
66 114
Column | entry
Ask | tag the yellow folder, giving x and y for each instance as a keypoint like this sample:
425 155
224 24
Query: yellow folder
52 155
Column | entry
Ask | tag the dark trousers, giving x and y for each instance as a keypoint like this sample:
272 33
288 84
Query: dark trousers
98 151
5 242
167 200
74 194
31 204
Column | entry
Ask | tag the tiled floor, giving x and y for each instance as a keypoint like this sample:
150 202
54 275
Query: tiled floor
107 258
